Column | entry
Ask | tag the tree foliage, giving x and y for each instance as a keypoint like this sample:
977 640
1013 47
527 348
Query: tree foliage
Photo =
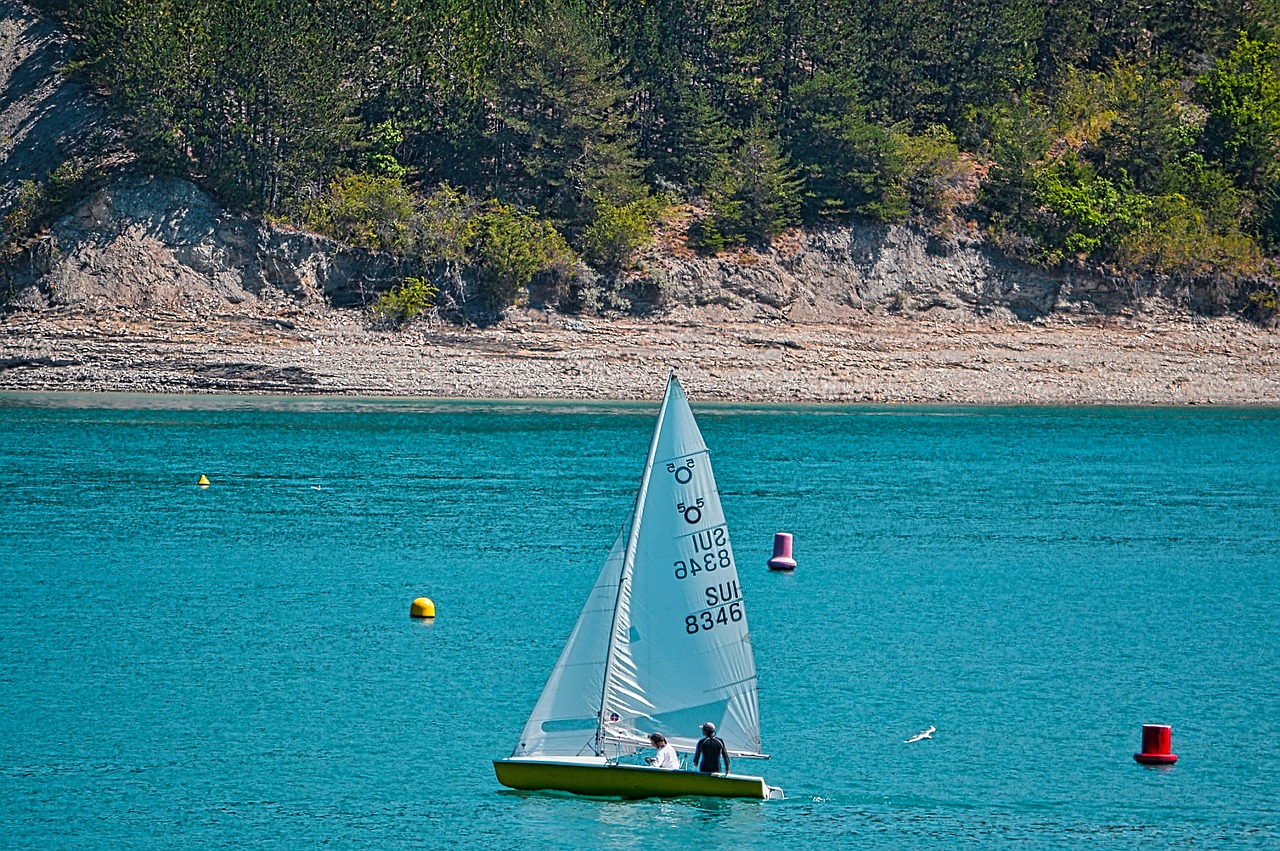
1123 132
39 202
612 239
1241 95
367 211
754 196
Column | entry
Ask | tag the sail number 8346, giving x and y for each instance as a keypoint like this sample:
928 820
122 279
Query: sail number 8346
724 606
709 561
710 618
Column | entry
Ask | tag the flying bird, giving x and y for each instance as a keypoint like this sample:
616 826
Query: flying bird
924 734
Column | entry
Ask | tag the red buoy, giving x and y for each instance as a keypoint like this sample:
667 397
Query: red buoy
1157 742
782 559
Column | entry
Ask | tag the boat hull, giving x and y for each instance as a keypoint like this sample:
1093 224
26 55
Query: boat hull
626 781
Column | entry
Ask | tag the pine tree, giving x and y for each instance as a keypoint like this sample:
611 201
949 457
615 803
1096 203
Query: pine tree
843 158
565 140
758 194
1147 136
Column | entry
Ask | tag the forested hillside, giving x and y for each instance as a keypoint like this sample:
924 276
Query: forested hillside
512 142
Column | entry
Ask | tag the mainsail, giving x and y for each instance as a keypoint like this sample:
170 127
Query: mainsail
662 644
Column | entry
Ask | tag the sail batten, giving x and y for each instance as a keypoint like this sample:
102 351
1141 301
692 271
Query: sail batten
662 644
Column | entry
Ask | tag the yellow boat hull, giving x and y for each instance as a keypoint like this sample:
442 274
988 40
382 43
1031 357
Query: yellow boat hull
626 781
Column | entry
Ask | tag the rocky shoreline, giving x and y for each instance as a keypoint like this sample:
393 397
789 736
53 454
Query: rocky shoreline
148 286
964 360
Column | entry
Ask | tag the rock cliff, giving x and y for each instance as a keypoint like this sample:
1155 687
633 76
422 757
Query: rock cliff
160 244
43 118
841 274
149 244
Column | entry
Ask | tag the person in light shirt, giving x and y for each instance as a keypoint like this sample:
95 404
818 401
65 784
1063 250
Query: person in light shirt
666 756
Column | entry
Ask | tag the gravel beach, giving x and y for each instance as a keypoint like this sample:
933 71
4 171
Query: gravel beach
967 360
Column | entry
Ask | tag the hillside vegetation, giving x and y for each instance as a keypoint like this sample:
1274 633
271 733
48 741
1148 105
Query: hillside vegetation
511 145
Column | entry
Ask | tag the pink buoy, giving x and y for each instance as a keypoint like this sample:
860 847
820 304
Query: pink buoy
1157 742
782 559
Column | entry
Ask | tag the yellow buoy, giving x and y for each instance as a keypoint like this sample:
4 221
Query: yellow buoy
422 608
204 481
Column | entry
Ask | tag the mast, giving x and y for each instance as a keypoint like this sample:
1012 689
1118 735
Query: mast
629 558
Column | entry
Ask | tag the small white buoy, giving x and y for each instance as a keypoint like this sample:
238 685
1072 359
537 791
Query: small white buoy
422 608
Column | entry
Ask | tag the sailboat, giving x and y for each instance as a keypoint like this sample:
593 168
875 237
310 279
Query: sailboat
661 645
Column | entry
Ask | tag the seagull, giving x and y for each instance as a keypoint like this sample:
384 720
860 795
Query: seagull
924 734
315 487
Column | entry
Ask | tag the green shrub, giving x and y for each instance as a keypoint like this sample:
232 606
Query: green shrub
617 232
405 301
510 249
25 214
366 211
67 179
39 202
932 176
1175 239
1084 213
446 223
1264 305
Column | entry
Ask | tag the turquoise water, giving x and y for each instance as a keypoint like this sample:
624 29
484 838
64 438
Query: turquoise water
235 666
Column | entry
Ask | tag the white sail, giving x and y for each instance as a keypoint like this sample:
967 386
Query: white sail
681 651
566 719
662 644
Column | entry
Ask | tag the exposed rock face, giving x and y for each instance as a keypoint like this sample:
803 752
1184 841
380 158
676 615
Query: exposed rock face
142 244
159 244
841 274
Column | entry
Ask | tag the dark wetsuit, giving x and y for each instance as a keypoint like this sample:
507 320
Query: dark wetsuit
708 754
